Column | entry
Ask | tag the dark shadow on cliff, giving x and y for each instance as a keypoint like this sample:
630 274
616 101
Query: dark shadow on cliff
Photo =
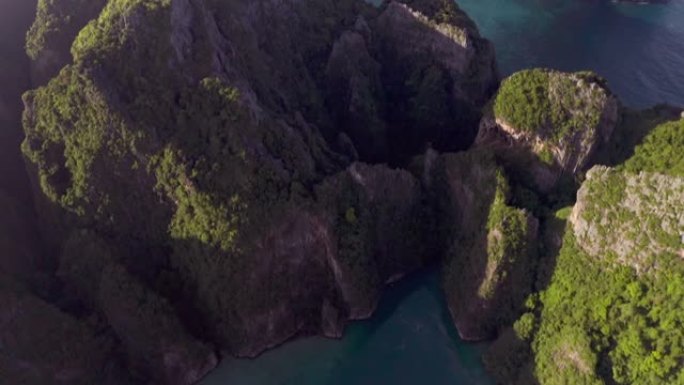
509 357
417 94
22 252
633 127
15 18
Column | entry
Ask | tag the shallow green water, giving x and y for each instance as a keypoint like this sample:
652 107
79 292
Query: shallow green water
410 340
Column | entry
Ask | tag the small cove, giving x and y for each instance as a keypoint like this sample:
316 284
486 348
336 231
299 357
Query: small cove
409 340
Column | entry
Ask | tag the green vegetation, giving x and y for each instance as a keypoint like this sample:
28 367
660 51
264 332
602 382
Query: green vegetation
613 310
602 323
197 216
201 155
523 100
45 23
240 194
506 240
662 151
525 326
64 139
633 127
564 213
550 104
57 22
70 126
159 158
111 30
546 156
640 213
489 263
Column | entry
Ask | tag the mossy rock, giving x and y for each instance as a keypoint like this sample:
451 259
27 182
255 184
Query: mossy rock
547 124
379 217
551 105
631 219
488 268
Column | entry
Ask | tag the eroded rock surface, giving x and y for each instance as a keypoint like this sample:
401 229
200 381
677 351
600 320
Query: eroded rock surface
632 219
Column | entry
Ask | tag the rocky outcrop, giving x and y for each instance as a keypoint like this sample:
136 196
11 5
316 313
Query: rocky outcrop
617 277
211 151
632 214
411 30
622 253
438 73
356 94
491 246
208 148
547 124
634 219
378 215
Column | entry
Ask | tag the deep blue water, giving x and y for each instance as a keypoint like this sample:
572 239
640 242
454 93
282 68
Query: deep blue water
410 340
638 48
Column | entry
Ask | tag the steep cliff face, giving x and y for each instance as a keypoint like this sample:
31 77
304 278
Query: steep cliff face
490 245
356 95
438 73
546 124
212 143
380 219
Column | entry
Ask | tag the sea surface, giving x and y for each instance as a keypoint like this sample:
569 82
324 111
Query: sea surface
410 340
639 48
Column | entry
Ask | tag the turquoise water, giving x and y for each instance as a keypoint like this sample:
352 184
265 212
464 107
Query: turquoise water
410 340
638 48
